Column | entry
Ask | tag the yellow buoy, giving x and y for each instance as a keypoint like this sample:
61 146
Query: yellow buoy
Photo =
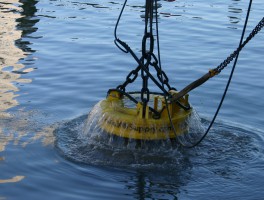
130 122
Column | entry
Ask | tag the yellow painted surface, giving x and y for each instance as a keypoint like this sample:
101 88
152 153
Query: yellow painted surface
129 123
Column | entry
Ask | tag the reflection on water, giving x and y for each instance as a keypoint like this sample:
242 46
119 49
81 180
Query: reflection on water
23 128
16 23
235 12
147 185
12 180
26 24
9 54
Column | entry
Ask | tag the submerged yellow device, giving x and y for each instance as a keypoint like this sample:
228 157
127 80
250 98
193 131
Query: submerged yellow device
126 122
154 116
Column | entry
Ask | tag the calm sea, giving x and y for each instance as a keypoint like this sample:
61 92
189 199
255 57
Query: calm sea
58 60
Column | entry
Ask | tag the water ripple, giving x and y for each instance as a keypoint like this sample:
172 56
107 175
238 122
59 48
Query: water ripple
225 151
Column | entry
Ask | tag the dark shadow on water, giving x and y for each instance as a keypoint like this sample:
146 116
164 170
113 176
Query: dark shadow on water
26 23
157 185
157 173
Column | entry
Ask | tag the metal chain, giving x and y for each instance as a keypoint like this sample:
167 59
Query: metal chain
235 53
163 78
146 53
147 59
148 35
131 77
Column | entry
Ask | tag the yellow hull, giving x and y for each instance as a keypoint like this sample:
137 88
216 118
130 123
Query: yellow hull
127 122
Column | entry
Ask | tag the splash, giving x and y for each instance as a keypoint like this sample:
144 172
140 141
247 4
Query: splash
92 129
83 140
196 129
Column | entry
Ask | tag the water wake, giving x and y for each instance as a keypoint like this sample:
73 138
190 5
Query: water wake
82 140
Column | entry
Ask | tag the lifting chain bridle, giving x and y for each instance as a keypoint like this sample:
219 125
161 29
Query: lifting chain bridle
147 59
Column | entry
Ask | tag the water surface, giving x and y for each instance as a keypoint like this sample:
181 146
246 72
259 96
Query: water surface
58 59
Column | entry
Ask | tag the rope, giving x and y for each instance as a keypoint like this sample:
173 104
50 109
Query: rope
160 68
117 40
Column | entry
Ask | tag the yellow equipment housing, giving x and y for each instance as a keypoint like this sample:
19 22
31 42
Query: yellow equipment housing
125 122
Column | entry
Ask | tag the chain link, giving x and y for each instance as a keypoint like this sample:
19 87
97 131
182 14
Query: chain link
147 59
131 77
145 90
163 78
235 53
145 51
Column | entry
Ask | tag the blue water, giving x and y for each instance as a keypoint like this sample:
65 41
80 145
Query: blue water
58 59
